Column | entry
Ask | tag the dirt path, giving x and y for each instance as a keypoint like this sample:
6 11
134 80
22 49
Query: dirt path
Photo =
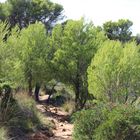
63 129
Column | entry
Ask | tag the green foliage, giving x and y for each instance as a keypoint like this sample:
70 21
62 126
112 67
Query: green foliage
79 42
122 123
107 122
33 48
8 59
3 32
119 30
86 122
55 40
114 72
29 55
25 12
31 51
12 68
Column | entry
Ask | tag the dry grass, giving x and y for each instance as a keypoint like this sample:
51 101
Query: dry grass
22 118
69 106
3 134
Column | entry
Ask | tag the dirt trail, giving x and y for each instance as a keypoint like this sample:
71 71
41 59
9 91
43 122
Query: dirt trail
63 129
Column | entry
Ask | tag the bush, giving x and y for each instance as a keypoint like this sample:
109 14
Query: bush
108 122
122 123
85 123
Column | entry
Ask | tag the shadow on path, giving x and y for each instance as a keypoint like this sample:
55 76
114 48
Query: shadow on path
60 118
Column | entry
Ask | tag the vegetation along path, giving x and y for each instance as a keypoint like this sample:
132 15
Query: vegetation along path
62 128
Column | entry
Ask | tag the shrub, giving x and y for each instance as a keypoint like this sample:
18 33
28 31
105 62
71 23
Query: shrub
122 123
85 123
108 122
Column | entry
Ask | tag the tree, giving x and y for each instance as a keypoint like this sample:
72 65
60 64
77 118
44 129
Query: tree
25 12
79 42
10 70
113 75
33 50
55 40
3 32
120 30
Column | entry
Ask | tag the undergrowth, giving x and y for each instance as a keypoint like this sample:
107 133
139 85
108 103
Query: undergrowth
20 117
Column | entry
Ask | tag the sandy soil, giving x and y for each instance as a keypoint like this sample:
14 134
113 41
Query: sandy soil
63 129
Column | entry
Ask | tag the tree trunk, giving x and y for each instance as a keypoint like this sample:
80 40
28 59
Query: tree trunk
77 94
77 101
81 95
83 98
51 92
36 93
30 84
